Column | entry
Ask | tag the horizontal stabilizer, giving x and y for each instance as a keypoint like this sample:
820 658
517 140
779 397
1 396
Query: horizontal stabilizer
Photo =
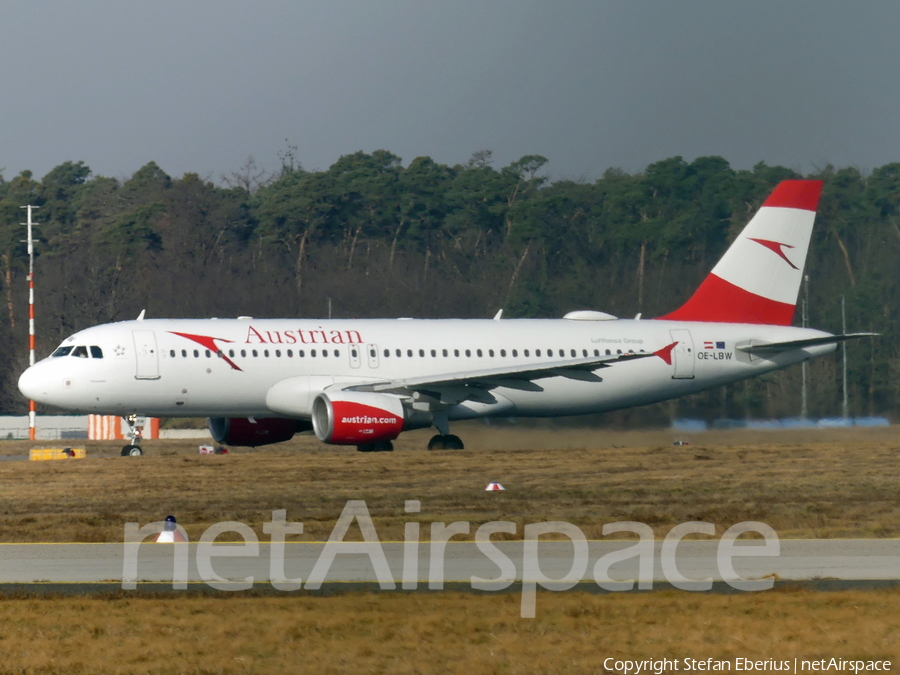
778 347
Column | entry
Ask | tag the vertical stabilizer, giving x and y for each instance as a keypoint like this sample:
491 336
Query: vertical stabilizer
758 279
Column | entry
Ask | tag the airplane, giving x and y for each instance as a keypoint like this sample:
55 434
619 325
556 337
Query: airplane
364 381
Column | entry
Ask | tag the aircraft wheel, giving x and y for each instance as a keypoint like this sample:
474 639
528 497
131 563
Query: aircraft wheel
452 442
436 442
132 451
383 446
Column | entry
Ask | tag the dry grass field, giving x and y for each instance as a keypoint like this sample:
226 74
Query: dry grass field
839 483
820 483
440 633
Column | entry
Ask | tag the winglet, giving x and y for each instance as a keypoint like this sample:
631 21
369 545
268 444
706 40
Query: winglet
666 353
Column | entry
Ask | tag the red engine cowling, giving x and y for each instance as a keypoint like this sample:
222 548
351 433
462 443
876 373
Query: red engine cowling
241 431
357 418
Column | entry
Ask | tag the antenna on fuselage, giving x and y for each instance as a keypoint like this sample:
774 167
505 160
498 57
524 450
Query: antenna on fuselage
141 315
498 315
32 410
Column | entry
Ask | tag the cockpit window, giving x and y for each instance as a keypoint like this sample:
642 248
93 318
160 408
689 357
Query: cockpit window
62 351
96 352
80 351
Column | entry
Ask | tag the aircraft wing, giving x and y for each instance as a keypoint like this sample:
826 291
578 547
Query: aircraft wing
516 377
778 347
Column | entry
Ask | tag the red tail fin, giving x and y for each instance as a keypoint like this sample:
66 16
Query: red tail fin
758 278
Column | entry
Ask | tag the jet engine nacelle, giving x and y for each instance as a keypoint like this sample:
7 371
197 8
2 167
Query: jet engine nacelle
251 432
357 418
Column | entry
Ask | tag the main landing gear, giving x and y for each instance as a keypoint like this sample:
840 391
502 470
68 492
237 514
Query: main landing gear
444 440
381 446
135 425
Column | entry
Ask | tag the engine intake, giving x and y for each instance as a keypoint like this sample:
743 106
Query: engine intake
244 432
357 418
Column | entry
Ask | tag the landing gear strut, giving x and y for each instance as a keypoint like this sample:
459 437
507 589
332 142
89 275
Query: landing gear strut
136 426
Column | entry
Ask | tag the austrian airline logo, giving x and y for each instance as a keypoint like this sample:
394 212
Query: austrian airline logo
209 343
777 248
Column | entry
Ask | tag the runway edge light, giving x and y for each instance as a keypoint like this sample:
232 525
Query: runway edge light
170 535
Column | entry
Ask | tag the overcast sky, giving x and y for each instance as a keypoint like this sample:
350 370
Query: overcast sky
200 86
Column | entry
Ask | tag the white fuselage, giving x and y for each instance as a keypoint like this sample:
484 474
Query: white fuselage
147 368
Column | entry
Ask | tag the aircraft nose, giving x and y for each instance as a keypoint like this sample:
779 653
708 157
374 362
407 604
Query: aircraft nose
33 383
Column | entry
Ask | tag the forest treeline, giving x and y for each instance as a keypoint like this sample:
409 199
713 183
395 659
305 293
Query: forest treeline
370 237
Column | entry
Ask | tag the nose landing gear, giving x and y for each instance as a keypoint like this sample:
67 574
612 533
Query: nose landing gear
136 426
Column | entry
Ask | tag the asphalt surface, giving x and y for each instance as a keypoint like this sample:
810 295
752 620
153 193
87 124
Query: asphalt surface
693 565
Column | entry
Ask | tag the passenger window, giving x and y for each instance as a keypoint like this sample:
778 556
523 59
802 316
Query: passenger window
62 351
537 352
608 353
596 352
502 352
255 353
479 353
278 352
324 352
455 352
312 352
409 352
584 352
301 353
387 352
445 352
398 352
421 352
618 351
171 353
336 353
490 352
184 353
290 353
526 352
549 352
208 354
353 353
231 353
266 353
515 352
468 352
196 354
433 353
80 352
